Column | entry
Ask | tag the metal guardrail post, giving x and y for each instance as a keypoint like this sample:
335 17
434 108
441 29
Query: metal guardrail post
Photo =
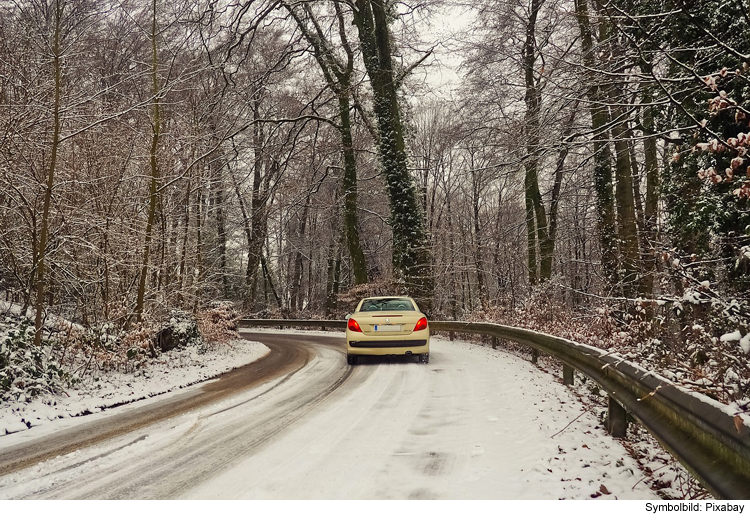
617 418
568 375
710 443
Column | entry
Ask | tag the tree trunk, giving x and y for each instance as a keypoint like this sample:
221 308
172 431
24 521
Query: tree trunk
481 281
559 172
199 271
411 251
627 226
333 277
218 188
183 257
648 239
154 166
349 190
269 282
602 154
44 231
531 242
295 295
262 175
536 216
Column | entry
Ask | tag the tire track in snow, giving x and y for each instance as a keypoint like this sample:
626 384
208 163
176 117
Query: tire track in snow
268 367
183 455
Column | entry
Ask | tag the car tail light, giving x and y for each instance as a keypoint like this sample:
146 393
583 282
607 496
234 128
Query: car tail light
421 324
354 325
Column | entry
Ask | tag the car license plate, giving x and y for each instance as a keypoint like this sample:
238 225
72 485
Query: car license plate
387 328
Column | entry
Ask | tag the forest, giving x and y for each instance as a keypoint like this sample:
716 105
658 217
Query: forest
578 167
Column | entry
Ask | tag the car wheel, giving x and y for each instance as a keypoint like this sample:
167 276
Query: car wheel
351 359
424 358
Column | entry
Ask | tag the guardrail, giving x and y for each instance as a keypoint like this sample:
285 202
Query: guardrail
709 442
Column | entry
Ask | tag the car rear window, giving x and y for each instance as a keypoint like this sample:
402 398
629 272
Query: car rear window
387 305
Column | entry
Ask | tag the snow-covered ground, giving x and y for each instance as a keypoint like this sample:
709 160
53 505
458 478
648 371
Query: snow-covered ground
171 371
475 423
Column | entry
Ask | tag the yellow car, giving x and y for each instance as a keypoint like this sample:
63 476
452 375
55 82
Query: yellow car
384 326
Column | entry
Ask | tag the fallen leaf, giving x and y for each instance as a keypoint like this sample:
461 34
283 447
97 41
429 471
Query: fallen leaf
604 489
738 423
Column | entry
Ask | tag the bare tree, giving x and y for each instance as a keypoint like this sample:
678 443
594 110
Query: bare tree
338 72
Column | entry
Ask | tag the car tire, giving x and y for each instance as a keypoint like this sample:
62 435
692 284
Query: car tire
424 358
351 359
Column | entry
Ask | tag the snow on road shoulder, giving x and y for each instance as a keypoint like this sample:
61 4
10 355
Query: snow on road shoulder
171 371
537 428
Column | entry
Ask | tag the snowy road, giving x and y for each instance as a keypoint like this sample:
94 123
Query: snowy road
474 423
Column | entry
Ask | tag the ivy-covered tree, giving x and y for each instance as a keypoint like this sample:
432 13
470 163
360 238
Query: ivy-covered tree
411 251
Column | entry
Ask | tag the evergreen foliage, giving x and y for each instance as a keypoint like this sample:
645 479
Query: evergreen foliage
706 46
26 371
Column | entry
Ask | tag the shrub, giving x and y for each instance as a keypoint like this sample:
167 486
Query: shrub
180 331
25 369
218 324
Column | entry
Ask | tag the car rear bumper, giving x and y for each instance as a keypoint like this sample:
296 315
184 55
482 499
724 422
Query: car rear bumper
404 343
386 348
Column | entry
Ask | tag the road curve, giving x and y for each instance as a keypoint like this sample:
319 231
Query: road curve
474 423
285 357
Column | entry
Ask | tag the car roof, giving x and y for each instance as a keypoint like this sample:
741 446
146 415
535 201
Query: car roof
389 297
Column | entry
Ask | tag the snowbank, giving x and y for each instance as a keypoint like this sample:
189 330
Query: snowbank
171 371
